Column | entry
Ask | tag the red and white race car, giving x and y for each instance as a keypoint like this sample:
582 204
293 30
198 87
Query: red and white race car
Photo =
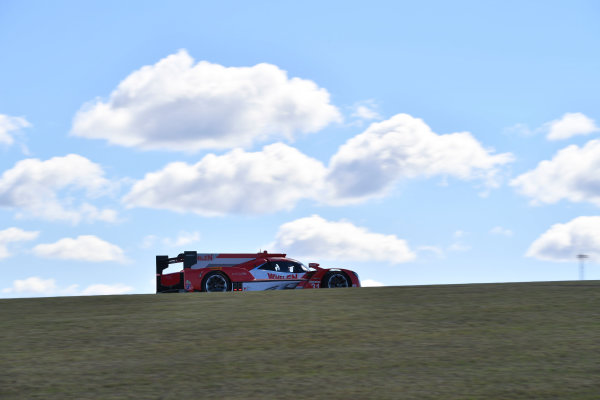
208 272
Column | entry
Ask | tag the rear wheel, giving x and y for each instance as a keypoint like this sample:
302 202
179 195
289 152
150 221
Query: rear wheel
216 282
335 279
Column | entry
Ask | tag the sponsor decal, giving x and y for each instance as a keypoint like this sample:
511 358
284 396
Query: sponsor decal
205 257
188 286
275 276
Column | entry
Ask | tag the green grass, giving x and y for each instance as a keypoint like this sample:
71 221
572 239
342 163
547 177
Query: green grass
498 341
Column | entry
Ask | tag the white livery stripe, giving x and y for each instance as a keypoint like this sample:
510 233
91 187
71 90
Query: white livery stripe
205 260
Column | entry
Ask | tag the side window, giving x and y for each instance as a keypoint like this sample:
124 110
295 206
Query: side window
270 266
283 266
287 266
290 267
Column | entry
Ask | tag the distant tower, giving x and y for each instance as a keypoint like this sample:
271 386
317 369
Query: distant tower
581 258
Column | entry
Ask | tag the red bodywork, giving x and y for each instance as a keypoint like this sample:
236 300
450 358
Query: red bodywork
247 272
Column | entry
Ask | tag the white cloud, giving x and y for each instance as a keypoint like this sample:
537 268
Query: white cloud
570 124
83 248
183 239
366 110
315 237
33 186
459 247
370 283
498 230
36 286
237 182
563 242
571 175
521 129
279 176
12 235
102 289
404 147
431 250
177 104
149 241
459 234
33 285
11 124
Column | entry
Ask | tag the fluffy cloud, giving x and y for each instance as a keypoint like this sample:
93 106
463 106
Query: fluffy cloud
430 251
370 283
83 248
366 110
33 187
182 239
459 247
571 175
10 124
12 235
181 105
571 124
315 237
404 147
102 289
237 182
33 285
563 242
36 286
279 176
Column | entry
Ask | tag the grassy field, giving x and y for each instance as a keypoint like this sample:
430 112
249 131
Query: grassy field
498 341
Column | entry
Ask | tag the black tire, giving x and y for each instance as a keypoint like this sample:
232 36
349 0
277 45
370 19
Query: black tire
216 282
335 279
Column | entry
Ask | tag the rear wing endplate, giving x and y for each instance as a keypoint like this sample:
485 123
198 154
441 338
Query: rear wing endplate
188 258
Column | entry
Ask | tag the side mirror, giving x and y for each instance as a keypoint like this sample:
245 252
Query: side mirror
313 265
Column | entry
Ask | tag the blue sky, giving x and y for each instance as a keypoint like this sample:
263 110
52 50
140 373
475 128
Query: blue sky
414 142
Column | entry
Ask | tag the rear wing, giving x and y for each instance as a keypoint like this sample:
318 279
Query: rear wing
188 258
175 284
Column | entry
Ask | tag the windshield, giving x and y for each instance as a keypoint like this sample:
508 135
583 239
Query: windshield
305 268
302 266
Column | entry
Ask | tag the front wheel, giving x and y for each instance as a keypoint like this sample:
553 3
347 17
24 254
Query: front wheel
216 282
335 279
